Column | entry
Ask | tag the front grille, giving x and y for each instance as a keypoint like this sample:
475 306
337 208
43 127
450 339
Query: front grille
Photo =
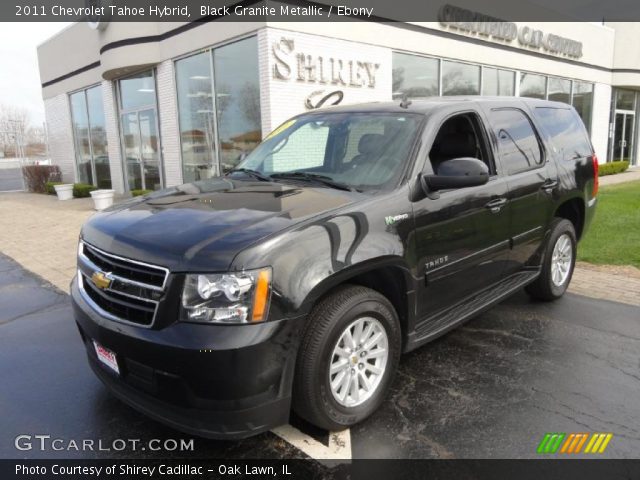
134 288
125 268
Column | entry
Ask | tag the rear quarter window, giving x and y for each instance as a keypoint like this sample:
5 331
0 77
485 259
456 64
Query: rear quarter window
567 132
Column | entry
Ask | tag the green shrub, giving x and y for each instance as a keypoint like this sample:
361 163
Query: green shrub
137 193
49 187
36 176
82 190
612 168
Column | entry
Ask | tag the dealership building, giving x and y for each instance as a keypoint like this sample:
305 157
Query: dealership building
150 105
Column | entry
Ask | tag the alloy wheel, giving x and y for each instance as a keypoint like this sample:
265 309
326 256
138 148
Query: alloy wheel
358 362
561 259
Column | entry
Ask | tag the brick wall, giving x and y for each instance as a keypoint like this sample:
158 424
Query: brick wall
61 149
282 98
264 69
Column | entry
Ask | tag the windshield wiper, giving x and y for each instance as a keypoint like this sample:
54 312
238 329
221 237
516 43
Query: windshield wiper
252 173
314 177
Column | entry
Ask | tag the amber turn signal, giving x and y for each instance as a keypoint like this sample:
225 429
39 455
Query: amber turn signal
261 298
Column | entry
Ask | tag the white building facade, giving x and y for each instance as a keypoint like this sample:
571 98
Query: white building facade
142 106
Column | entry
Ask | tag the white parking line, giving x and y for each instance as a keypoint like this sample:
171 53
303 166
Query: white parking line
339 447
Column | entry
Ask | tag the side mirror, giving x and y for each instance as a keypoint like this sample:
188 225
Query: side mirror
456 173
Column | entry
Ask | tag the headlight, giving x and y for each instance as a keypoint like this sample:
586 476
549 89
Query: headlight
241 297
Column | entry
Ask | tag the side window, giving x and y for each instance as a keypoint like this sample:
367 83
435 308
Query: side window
459 136
518 143
308 142
566 130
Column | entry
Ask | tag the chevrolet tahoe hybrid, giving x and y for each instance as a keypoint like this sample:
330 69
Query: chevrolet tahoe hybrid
349 236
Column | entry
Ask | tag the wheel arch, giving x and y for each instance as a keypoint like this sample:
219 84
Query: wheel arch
388 276
573 209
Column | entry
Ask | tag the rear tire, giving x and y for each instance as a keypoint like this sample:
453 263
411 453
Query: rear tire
332 372
557 264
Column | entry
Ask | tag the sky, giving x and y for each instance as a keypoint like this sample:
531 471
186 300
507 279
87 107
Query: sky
19 76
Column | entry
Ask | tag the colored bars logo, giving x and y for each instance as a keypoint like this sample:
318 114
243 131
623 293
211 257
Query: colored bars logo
573 443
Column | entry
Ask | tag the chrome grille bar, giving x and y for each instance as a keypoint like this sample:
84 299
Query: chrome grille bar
123 299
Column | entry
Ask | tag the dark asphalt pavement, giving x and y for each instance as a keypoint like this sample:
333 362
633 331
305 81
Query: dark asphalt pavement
490 389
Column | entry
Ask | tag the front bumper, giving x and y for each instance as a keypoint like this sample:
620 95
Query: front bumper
215 381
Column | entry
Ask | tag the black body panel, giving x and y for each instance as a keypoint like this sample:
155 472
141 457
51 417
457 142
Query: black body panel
443 256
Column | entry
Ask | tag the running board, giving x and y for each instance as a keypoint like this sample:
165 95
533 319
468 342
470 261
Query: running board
441 323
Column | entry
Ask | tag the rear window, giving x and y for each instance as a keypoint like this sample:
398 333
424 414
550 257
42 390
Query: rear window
566 130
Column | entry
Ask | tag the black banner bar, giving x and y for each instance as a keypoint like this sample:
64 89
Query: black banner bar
297 469
462 12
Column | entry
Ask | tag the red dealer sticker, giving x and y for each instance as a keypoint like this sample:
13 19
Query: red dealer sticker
107 357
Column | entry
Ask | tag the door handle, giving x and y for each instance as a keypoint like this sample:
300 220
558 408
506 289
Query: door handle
496 204
549 185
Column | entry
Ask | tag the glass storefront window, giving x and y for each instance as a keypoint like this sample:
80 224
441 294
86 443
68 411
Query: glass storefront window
131 144
220 118
583 101
98 133
237 100
414 76
533 86
92 157
460 78
625 100
559 90
81 134
137 91
498 82
196 113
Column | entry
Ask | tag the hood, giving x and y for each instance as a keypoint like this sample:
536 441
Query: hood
203 225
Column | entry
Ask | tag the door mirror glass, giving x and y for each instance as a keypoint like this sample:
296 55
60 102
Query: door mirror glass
456 173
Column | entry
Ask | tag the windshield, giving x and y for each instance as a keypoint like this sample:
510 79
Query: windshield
361 150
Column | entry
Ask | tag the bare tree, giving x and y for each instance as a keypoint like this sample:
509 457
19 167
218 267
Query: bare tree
14 124
456 83
424 88
250 104
223 99
36 142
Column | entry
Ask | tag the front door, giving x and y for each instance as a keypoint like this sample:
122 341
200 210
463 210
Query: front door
461 235
140 138
623 127
141 149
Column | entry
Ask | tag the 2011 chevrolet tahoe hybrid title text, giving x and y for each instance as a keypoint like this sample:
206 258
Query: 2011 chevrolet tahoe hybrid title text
349 236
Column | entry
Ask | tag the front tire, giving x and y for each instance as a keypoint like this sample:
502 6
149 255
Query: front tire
348 355
557 264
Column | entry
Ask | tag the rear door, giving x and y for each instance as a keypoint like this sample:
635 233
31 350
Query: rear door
531 179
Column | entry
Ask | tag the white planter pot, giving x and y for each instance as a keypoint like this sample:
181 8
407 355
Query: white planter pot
65 191
102 199
205 174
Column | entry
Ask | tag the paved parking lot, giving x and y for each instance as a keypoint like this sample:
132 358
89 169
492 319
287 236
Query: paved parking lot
490 389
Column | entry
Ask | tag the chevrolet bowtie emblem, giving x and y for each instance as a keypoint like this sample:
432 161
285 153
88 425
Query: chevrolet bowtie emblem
100 280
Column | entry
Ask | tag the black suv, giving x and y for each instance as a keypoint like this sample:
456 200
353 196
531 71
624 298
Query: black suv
347 237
